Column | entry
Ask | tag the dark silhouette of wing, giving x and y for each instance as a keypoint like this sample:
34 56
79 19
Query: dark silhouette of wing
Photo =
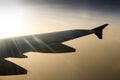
49 42
9 68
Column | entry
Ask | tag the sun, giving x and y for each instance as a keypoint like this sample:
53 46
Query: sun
11 22
9 25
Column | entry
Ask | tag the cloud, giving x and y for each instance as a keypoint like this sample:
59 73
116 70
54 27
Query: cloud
97 5
78 2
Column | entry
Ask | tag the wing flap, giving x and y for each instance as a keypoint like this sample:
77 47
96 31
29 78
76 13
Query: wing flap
55 48
9 68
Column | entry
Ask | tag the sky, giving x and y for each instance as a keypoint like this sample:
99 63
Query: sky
94 59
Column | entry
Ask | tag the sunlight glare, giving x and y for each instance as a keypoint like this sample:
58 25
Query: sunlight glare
11 22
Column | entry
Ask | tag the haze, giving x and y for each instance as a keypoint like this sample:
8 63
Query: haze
94 59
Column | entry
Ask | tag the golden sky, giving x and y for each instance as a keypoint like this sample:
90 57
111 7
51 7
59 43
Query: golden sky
94 59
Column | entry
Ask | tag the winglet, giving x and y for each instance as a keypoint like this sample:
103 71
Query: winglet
98 31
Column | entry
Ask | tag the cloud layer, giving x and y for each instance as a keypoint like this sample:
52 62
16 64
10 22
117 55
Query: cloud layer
103 5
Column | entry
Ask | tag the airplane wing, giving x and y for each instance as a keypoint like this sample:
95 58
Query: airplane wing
46 43
50 42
